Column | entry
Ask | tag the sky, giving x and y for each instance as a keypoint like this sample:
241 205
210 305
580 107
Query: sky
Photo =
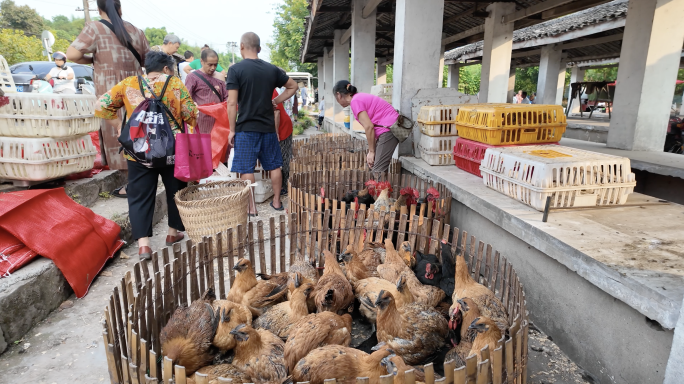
197 21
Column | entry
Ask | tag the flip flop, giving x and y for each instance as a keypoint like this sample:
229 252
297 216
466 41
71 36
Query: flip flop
277 209
252 214
116 193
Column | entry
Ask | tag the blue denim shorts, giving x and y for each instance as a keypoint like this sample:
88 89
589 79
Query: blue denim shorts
250 146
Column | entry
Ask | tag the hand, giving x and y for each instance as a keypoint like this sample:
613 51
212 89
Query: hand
231 139
370 159
275 105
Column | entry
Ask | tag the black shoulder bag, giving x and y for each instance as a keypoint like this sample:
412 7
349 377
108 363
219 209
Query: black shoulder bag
129 45
209 85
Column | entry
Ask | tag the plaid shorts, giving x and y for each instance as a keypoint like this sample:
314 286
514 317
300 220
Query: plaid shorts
250 146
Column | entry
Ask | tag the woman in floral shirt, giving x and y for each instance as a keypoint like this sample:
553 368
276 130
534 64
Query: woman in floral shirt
142 181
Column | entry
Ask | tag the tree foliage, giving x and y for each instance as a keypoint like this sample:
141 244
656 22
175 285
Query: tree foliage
22 17
288 31
155 36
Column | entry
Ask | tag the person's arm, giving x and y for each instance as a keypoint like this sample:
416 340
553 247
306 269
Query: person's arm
290 89
276 115
368 126
108 105
48 76
70 74
232 114
187 69
77 56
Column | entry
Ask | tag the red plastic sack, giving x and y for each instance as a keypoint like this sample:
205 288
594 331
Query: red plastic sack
193 156
97 167
220 131
52 225
13 254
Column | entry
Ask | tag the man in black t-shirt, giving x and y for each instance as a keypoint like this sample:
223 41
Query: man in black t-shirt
250 85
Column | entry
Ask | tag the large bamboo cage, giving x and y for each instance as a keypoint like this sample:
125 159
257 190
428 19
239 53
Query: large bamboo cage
337 143
321 191
335 161
143 301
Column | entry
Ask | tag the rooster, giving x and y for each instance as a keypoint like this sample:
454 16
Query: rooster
407 197
431 195
382 203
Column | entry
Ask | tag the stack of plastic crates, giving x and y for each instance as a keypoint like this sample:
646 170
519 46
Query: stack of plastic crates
46 136
384 91
439 134
483 126
571 177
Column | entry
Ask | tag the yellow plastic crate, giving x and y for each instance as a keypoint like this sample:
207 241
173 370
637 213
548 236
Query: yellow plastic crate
438 120
505 124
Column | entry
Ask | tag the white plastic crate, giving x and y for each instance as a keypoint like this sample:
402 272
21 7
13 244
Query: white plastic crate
6 80
438 120
438 144
383 91
263 191
572 177
55 126
45 159
38 105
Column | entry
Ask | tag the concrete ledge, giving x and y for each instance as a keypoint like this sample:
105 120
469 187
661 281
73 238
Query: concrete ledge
587 132
86 191
31 293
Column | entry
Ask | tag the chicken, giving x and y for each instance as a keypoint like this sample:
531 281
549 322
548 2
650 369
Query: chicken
371 255
279 318
415 332
333 292
401 202
257 295
367 292
314 331
228 371
365 197
308 271
382 203
341 363
259 354
186 338
393 267
230 315
461 336
448 270
407 198
487 334
276 278
354 269
428 269
406 254
465 286
396 366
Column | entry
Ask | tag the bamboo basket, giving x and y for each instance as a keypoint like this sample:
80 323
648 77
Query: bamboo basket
210 208
142 303
305 193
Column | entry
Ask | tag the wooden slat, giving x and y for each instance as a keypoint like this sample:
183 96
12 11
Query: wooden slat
221 270
158 312
240 243
153 332
168 294
497 365
249 243
326 230
192 270
471 256
483 373
413 228
293 237
434 248
154 372
135 354
144 355
471 368
410 376
495 272
312 230
272 243
459 375
402 230
508 357
488 267
114 377
179 377
363 380
386 379
125 370
282 243
230 251
210 256
449 372
262 251
478 262
518 356
120 329
133 373
167 373
185 260
429 370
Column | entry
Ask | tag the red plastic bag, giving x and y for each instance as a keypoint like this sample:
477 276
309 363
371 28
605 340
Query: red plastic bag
77 240
13 254
97 167
220 131
193 156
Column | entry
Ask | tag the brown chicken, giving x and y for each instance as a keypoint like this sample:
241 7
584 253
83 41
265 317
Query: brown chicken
279 318
487 334
341 363
257 295
407 254
310 303
230 315
304 267
396 366
228 371
371 255
354 269
186 338
415 332
465 286
464 312
395 265
367 292
314 331
259 354
333 291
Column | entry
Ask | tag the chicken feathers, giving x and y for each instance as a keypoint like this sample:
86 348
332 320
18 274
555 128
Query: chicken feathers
314 331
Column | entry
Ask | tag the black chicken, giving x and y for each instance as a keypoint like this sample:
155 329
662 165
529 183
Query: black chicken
430 271
448 270
364 197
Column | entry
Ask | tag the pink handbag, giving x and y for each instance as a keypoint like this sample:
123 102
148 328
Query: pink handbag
193 156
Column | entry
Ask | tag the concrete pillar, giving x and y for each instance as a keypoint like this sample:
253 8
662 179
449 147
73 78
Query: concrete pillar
549 67
329 84
560 88
651 51
362 47
453 77
417 47
675 364
496 56
576 76
511 86
321 78
340 69
381 71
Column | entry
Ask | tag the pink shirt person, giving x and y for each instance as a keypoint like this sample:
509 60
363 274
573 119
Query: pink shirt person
380 112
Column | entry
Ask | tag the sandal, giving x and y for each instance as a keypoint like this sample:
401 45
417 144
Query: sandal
277 209
117 192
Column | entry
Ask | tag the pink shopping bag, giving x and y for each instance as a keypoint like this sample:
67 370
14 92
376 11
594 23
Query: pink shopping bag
193 156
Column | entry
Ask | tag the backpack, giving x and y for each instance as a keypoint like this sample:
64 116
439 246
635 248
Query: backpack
147 136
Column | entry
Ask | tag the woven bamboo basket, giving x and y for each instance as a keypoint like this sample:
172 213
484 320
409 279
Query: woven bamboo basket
207 209
141 305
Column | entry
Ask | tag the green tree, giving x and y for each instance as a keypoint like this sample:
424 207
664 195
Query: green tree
469 79
155 36
22 17
17 47
288 30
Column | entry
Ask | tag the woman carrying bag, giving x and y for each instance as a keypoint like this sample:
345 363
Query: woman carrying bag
142 180
385 127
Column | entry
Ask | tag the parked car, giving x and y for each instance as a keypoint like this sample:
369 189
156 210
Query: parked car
23 73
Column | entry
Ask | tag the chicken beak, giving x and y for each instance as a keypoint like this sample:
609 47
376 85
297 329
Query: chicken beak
297 280
213 317
400 283
377 347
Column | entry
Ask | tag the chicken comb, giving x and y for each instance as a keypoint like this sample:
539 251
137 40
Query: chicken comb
433 191
371 182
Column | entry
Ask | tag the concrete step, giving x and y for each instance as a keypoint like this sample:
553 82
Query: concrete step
30 294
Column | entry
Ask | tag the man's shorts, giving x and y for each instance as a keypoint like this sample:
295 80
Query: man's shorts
250 146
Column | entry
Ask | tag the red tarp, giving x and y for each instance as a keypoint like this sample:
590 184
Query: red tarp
52 225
